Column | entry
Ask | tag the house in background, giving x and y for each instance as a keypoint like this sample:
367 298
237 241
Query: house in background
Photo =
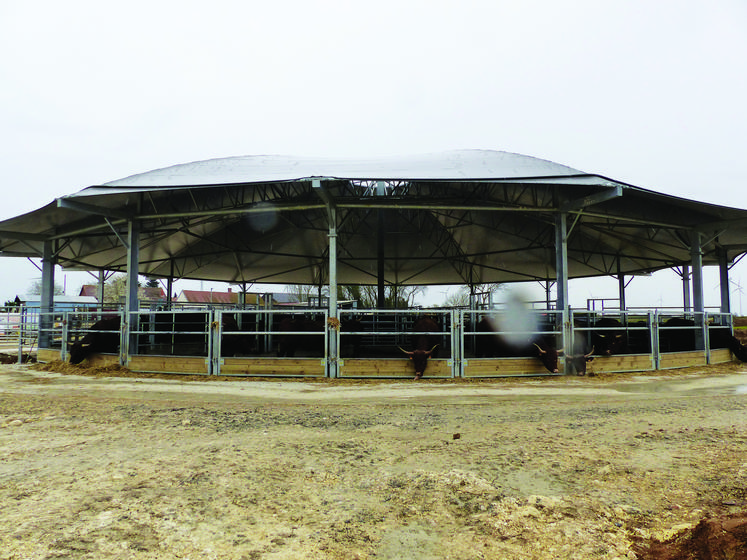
146 296
231 298
62 303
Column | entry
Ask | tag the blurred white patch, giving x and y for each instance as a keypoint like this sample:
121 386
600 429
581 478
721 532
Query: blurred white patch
516 320
264 220
741 390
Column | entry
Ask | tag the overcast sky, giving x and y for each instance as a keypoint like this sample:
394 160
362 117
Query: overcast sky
647 92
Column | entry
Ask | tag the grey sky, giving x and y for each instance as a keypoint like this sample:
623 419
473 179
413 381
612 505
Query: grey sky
651 93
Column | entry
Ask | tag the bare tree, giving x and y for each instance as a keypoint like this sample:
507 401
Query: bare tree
461 297
35 288
395 297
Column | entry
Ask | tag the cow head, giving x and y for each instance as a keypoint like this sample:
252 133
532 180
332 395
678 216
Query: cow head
610 343
419 360
79 352
579 361
549 357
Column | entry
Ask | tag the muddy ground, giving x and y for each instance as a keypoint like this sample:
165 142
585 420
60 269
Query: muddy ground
103 466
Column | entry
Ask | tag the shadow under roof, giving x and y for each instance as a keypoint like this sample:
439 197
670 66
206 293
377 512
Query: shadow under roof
467 216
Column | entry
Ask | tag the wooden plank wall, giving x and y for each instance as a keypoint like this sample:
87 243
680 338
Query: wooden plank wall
47 355
169 364
672 360
392 368
308 367
620 363
496 367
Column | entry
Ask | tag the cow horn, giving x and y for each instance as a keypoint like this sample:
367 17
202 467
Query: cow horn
540 349
590 353
561 351
85 344
405 351
432 349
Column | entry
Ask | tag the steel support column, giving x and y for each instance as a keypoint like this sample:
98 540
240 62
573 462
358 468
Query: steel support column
696 254
381 248
621 287
686 299
723 266
561 276
131 297
100 290
333 358
46 304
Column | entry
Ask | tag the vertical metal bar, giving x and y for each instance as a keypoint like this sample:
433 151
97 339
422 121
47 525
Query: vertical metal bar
457 341
686 300
561 281
215 334
568 336
100 291
46 303
65 334
561 260
698 304
331 349
653 322
131 298
381 248
723 266
706 338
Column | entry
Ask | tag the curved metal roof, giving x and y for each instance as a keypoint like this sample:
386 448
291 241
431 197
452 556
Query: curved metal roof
454 165
446 218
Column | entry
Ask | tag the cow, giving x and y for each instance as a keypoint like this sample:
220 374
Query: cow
680 337
103 338
288 341
610 339
540 347
494 345
234 344
579 359
422 342
677 335
737 348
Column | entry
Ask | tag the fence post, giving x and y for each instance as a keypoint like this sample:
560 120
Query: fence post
65 335
567 335
457 342
653 322
124 338
705 333
215 322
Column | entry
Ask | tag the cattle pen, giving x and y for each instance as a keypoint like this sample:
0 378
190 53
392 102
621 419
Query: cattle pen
370 343
464 217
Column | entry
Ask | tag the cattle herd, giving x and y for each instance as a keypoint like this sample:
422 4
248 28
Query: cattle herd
419 339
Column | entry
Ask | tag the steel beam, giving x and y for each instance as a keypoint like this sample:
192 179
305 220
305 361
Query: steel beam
723 265
696 253
46 304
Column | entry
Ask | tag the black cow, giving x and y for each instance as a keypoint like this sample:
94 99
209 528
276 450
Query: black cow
610 339
235 344
289 343
97 341
422 342
100 341
683 339
677 335
737 348
494 345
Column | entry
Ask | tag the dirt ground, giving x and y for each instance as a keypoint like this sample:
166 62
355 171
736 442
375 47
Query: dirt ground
109 466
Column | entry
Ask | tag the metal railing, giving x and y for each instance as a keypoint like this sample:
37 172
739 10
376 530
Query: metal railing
214 335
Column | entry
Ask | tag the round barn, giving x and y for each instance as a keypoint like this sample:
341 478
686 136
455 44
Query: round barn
469 217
